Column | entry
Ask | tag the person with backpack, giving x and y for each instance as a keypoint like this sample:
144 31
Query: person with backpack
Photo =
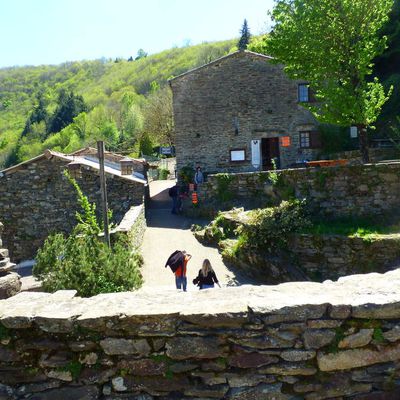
174 194
206 277
177 261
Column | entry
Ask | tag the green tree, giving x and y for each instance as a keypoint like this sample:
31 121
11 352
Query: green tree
69 106
244 36
331 45
140 54
39 114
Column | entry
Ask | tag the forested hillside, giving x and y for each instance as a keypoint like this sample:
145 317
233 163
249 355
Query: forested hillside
64 107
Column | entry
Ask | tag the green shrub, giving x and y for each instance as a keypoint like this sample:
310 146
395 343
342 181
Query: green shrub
82 261
224 193
163 173
186 174
269 228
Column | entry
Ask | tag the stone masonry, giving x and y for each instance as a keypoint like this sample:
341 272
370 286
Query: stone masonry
226 104
299 340
370 189
37 200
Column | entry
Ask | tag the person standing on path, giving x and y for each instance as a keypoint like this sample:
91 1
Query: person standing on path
174 193
206 277
180 273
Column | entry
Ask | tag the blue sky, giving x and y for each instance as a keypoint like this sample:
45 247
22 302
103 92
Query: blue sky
34 32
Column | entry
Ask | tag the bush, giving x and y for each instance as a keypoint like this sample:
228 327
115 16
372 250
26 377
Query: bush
186 174
163 173
82 261
86 264
269 228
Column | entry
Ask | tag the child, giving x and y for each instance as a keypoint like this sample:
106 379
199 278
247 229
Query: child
206 277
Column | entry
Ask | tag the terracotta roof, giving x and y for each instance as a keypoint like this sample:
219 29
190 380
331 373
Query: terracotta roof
110 167
234 54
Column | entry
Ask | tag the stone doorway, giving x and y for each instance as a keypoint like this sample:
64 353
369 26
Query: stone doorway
270 151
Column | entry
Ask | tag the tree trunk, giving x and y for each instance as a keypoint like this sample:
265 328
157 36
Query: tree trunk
363 140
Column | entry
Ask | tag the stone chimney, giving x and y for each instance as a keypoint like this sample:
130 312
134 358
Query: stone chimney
126 166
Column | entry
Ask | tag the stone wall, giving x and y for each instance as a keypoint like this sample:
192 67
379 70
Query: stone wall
230 102
332 256
333 191
289 342
37 200
375 155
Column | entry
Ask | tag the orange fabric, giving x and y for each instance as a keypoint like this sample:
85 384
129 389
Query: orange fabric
178 272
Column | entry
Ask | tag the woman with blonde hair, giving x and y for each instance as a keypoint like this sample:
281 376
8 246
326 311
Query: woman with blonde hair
206 277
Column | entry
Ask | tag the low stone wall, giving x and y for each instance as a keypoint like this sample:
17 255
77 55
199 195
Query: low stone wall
37 200
332 256
133 225
375 155
288 342
337 191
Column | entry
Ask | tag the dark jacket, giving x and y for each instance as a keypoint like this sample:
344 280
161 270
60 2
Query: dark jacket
175 260
201 280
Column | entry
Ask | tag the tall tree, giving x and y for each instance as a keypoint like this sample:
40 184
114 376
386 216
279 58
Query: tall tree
331 45
69 106
244 36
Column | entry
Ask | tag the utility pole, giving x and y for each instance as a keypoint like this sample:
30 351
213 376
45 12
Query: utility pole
103 188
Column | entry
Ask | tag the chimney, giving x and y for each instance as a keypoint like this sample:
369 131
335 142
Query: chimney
126 166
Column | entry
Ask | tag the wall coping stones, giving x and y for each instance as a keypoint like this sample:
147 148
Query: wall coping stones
370 296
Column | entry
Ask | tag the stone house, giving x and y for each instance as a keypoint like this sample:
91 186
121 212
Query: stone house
240 112
36 198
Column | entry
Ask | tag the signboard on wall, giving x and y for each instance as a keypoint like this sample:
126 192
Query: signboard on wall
256 153
238 155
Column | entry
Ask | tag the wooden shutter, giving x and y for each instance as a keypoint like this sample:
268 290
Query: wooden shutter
315 140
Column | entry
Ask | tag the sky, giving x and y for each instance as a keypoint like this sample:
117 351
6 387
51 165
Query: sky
35 32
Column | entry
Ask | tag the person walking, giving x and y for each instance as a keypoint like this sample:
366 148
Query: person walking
180 273
206 277
174 194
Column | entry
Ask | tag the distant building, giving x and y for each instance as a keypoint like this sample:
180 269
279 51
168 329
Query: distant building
36 198
240 112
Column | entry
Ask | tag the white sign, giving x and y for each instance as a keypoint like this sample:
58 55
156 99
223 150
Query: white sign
353 132
256 153
238 155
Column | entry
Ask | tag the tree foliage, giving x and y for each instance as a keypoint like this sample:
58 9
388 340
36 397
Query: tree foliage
244 36
331 45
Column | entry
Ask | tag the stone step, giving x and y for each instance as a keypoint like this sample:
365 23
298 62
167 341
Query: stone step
3 253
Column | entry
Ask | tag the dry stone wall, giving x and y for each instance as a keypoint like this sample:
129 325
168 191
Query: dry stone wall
37 200
333 191
336 340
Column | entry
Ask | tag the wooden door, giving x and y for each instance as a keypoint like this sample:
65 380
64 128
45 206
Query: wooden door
269 151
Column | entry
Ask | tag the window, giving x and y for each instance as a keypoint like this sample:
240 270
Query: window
305 140
303 93
310 140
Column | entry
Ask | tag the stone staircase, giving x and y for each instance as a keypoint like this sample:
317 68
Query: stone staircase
10 282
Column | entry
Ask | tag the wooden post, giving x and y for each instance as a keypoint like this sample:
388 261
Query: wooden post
103 188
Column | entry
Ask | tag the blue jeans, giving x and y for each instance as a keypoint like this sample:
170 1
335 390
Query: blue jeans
207 286
175 205
181 282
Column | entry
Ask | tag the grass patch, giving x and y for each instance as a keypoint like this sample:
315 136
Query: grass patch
353 227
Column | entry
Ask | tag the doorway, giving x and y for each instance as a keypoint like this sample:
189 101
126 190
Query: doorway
270 151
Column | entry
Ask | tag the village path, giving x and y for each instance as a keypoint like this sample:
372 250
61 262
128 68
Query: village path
166 233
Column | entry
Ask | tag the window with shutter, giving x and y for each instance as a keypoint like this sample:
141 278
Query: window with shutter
304 140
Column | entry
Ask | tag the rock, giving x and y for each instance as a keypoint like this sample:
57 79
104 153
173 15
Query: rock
248 380
145 367
85 345
156 385
183 367
68 393
89 359
10 285
57 360
393 335
299 313
119 384
8 355
65 376
289 369
339 390
6 392
37 387
250 360
114 346
298 355
217 391
210 378
324 323
306 387
359 339
349 359
317 338
377 311
260 392
181 348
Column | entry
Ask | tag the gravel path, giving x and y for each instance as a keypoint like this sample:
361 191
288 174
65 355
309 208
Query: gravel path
166 233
